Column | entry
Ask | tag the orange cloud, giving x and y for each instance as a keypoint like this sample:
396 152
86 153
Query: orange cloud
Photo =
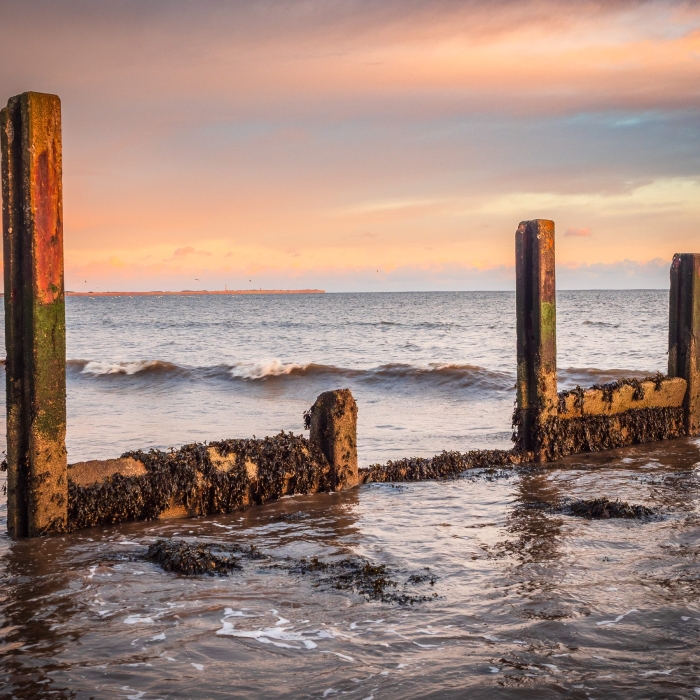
181 252
299 137
578 233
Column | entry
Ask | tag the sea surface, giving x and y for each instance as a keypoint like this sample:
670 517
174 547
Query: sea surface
526 601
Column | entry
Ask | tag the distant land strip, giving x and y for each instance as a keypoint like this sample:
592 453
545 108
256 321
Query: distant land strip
191 292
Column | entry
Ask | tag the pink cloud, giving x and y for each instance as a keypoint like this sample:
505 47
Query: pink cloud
189 250
579 232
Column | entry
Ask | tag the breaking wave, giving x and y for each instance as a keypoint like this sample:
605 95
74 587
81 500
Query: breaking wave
435 373
276 370
98 369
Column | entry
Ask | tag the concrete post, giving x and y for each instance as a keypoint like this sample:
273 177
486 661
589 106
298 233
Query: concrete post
684 333
333 425
35 336
536 331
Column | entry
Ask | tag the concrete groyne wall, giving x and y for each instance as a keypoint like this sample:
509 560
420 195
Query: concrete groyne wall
552 424
45 495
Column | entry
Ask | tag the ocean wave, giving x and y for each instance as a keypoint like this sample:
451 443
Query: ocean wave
271 368
276 370
97 368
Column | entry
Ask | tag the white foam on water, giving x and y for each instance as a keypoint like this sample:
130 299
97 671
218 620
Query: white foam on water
344 657
138 620
267 368
279 635
97 368
617 619
668 672
199 667
230 612
137 694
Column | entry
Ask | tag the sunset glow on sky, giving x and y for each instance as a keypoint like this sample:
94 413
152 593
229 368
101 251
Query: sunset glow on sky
362 145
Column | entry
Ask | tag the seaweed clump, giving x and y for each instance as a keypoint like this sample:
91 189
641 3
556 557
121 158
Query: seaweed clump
443 466
558 437
604 509
192 558
373 581
190 479
611 388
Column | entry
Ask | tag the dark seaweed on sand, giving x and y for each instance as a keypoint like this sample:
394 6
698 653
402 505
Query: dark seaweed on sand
604 509
373 581
197 558
446 465
595 508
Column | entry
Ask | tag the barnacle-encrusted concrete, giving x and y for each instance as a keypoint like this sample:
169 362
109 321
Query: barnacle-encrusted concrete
559 437
220 477
333 427
608 416
199 479
623 395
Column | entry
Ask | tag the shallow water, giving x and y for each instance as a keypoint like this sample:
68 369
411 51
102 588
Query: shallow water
430 371
530 602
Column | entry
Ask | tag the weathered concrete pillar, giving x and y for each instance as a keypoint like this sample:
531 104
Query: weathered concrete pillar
333 425
536 331
35 336
684 333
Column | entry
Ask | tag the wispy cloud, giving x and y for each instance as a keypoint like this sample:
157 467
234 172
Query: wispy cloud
578 233
394 136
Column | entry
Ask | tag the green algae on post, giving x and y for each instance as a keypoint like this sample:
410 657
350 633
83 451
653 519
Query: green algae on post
35 333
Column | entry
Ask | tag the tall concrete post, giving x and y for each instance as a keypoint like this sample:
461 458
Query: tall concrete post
684 333
35 328
333 425
536 331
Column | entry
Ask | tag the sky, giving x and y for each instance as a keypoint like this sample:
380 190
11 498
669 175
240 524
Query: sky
365 145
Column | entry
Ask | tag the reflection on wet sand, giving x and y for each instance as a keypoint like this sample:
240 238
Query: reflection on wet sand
35 602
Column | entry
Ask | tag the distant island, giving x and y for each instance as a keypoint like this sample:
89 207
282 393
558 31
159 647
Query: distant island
191 292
